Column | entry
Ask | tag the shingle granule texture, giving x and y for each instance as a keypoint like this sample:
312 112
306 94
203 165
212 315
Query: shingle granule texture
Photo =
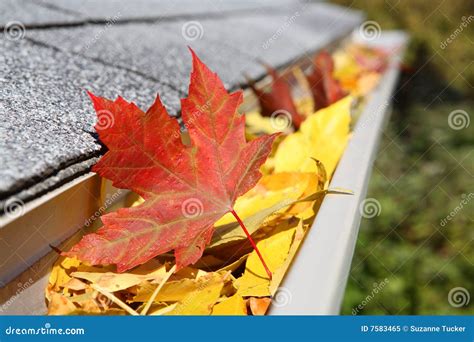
46 115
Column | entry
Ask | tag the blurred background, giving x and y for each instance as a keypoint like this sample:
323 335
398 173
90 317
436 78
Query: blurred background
414 255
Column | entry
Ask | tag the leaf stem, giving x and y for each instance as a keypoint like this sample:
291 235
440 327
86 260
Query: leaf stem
157 290
252 243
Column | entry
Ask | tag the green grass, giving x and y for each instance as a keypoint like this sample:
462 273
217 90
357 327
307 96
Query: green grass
423 171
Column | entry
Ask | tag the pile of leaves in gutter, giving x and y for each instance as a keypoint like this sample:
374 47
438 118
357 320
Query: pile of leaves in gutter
232 197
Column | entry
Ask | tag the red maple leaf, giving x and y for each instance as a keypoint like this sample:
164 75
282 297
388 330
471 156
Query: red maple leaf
278 99
324 87
186 188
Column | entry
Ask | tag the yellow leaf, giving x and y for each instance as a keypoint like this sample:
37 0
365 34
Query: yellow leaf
162 310
346 68
234 306
91 302
278 275
75 285
113 282
257 124
305 210
59 274
322 136
60 305
187 273
233 266
255 282
137 202
202 299
305 105
273 194
270 190
174 291
232 232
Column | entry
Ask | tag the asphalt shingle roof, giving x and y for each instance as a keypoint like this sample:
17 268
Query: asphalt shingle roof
158 51
143 9
28 13
46 116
